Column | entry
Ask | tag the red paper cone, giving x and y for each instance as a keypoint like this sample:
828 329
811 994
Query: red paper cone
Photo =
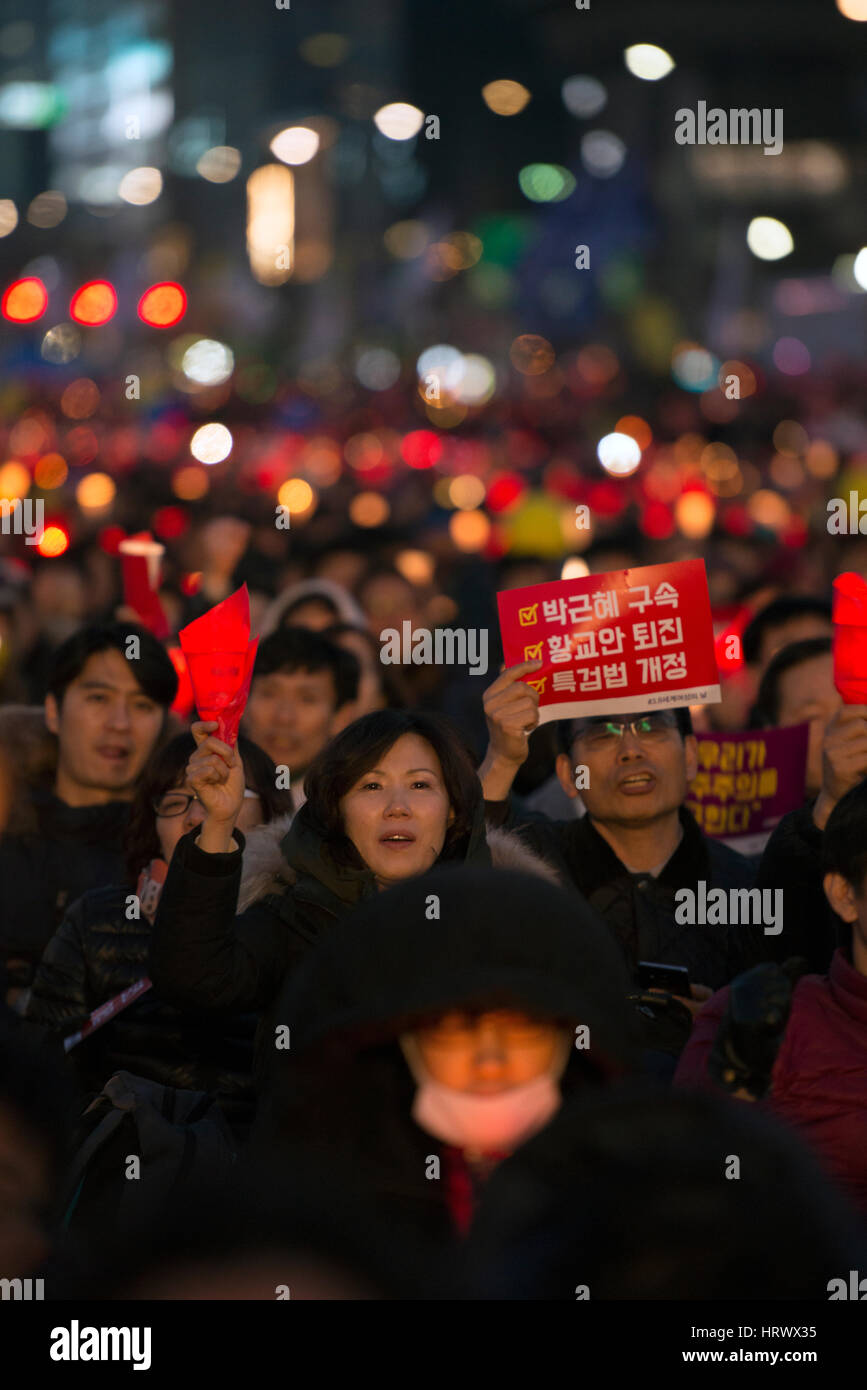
220 655
850 638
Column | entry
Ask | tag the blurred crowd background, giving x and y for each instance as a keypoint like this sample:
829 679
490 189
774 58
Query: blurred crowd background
367 223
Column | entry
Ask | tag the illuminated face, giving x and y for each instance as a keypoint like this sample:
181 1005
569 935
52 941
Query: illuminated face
397 814
292 716
806 692
632 778
492 1052
178 819
106 727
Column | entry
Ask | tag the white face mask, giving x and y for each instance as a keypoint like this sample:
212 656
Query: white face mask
482 1122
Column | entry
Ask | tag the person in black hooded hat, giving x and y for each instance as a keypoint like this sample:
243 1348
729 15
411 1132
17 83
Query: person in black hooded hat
437 1028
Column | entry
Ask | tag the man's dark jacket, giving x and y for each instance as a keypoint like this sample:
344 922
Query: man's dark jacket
64 852
640 909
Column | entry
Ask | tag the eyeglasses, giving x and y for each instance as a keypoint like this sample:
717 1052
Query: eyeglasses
608 733
179 803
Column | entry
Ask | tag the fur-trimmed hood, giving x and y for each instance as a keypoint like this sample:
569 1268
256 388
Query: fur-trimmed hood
265 870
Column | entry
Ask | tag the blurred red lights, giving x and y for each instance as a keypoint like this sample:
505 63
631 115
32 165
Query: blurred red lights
163 305
421 449
25 300
504 492
94 303
170 522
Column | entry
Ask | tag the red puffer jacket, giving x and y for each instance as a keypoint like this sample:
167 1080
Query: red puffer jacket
819 1080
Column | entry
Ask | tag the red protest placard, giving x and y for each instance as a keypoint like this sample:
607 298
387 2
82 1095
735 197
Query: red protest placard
613 643
747 782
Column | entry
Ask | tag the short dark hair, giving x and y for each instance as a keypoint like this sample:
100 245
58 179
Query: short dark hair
393 685
567 730
357 749
766 710
153 668
166 770
776 614
844 843
293 649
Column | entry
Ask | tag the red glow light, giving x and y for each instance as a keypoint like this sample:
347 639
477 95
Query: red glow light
163 305
171 522
55 539
25 300
504 492
110 538
95 303
421 449
606 498
657 521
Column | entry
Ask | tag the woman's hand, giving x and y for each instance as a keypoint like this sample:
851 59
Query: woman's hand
216 774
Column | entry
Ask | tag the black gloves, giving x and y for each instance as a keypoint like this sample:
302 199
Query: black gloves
749 1037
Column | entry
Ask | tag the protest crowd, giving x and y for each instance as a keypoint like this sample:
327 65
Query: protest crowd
393 988
433 662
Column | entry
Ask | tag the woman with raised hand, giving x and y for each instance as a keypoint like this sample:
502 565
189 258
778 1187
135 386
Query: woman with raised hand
394 794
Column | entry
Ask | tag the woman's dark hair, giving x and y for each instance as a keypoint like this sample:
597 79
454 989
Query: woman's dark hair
167 769
336 769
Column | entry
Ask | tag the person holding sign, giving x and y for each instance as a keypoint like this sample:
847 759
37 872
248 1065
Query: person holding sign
637 845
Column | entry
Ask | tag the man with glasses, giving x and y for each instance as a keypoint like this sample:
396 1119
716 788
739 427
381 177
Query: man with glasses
638 844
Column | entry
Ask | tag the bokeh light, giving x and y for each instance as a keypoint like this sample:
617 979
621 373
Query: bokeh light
602 153
531 354
694 512
220 164
546 183
94 303
8 216
95 492
466 492
47 209
54 541
574 568
416 566
398 120
80 399
141 186
208 362
25 300
469 531
297 144
50 472
211 443
14 480
369 509
769 239
853 9
647 61
791 356
619 454
583 96
859 268
190 483
163 305
297 496
421 449
504 97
